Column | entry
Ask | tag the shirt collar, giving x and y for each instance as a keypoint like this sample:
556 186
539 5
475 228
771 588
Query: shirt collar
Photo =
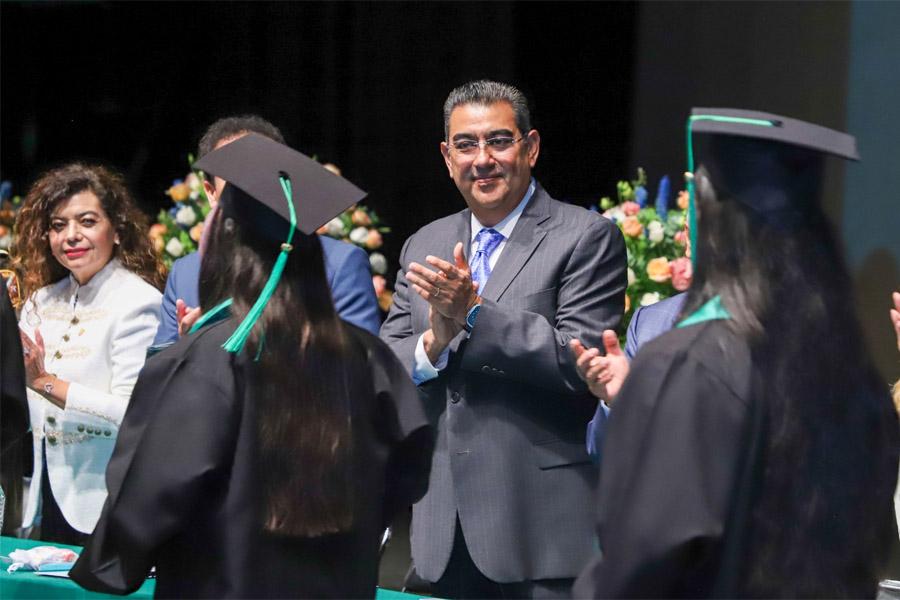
506 226
99 277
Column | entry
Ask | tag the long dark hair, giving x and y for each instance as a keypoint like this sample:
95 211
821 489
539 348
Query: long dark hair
32 250
298 384
831 431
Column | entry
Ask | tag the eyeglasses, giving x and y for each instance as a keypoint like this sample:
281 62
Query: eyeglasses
493 145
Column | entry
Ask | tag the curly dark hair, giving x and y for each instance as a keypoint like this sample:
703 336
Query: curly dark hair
32 253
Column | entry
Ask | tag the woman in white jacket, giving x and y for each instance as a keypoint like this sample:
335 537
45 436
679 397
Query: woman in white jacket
92 281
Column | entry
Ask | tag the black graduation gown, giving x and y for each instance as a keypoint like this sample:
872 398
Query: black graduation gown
14 418
185 496
681 466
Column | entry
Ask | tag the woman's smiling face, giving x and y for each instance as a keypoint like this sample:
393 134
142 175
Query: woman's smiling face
81 236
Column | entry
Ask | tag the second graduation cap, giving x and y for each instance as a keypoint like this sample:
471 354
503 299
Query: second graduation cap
255 165
770 163
270 186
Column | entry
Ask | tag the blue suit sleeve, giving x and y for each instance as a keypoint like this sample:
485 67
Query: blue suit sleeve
595 430
632 343
168 323
353 292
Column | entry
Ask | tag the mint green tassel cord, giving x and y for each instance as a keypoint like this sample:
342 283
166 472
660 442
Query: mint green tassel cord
689 176
237 340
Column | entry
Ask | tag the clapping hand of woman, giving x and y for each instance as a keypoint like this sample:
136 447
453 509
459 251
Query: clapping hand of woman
36 375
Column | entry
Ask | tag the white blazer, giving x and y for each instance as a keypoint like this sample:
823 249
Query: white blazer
96 338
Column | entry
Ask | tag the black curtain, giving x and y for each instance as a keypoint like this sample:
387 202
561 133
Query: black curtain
362 85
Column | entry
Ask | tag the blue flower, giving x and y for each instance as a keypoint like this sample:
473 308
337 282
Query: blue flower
593 207
5 190
640 196
662 198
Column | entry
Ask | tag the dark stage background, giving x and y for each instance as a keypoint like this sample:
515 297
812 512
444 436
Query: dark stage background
362 85
359 85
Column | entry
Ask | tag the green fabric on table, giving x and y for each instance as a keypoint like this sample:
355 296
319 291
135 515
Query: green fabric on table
28 585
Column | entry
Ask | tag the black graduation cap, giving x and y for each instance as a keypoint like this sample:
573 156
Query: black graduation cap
772 164
268 187
255 164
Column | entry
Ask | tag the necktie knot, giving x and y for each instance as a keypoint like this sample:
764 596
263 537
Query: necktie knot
488 240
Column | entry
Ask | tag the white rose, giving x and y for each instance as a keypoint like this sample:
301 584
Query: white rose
335 228
186 216
649 298
194 195
631 276
192 180
615 214
655 231
379 263
5 241
359 235
174 247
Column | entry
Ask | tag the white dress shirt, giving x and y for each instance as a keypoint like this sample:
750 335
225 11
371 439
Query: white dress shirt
423 370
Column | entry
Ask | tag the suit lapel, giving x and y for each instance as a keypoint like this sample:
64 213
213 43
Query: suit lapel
463 234
526 236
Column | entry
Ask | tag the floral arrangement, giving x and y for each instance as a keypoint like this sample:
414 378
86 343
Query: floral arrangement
9 210
655 239
360 226
177 230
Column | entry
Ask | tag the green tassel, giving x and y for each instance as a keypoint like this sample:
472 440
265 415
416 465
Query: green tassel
237 340
689 175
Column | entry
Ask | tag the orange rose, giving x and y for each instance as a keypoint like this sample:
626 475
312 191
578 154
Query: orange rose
659 269
323 230
360 218
196 230
627 303
632 227
332 168
683 200
179 192
373 241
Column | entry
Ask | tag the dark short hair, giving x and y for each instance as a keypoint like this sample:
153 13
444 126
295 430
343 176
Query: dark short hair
230 127
485 92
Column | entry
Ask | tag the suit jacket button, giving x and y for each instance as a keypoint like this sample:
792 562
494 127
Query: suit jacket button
51 420
454 397
501 373
107 432
80 428
485 369
51 439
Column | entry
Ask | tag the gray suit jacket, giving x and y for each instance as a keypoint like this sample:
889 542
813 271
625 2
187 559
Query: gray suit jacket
509 409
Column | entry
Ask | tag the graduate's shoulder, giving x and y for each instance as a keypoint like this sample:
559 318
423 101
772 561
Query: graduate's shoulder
712 347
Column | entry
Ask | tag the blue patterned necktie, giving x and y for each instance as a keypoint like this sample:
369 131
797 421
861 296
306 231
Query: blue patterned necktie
488 240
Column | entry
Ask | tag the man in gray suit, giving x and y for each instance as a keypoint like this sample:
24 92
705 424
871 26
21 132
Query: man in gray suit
482 317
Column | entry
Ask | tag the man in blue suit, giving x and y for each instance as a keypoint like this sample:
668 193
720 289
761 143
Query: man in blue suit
607 374
346 266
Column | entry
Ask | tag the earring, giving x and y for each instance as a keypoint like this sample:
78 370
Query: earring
116 242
